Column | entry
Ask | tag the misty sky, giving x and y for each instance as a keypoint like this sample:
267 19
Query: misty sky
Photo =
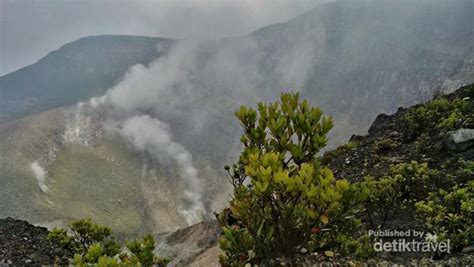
29 29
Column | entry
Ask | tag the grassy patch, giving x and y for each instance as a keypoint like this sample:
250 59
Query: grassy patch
100 183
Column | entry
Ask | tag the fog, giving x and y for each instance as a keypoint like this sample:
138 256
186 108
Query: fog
29 29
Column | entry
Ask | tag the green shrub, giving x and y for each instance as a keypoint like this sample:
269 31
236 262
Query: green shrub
94 252
85 233
382 203
91 243
238 245
384 144
143 252
392 194
450 214
438 116
284 201
361 248
463 170
105 261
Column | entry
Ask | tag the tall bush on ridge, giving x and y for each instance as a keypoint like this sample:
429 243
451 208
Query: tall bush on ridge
284 201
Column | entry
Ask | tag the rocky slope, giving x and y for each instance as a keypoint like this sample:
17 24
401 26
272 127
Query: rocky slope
191 246
24 244
388 142
354 60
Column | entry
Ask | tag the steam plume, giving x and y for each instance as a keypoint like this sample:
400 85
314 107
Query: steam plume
151 135
40 175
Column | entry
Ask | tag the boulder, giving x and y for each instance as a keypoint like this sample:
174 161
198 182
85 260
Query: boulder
459 140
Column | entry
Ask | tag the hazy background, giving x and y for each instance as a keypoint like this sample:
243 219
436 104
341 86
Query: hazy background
29 29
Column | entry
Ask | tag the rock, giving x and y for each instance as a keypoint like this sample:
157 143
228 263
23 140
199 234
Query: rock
22 244
394 134
469 249
459 140
356 138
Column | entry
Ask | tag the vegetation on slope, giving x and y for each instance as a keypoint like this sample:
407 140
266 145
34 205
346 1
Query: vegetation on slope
79 171
414 170
93 244
285 203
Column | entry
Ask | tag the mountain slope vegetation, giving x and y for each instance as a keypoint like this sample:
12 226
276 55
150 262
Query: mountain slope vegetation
423 181
354 60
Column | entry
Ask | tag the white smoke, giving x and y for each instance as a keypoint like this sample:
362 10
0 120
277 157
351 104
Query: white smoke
40 175
191 71
180 85
151 135
187 83
141 90
77 126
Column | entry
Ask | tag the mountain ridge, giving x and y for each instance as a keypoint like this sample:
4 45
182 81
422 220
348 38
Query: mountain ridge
69 78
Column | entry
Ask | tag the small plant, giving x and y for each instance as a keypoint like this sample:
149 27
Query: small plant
437 117
384 144
284 200
143 252
85 233
361 248
382 203
391 194
464 170
91 243
450 214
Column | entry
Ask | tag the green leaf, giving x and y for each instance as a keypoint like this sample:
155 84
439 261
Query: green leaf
311 213
324 219
259 231
329 253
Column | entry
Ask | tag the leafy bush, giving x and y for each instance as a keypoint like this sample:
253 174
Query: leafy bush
284 201
463 170
391 194
360 248
450 214
385 144
91 243
85 233
143 252
439 115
